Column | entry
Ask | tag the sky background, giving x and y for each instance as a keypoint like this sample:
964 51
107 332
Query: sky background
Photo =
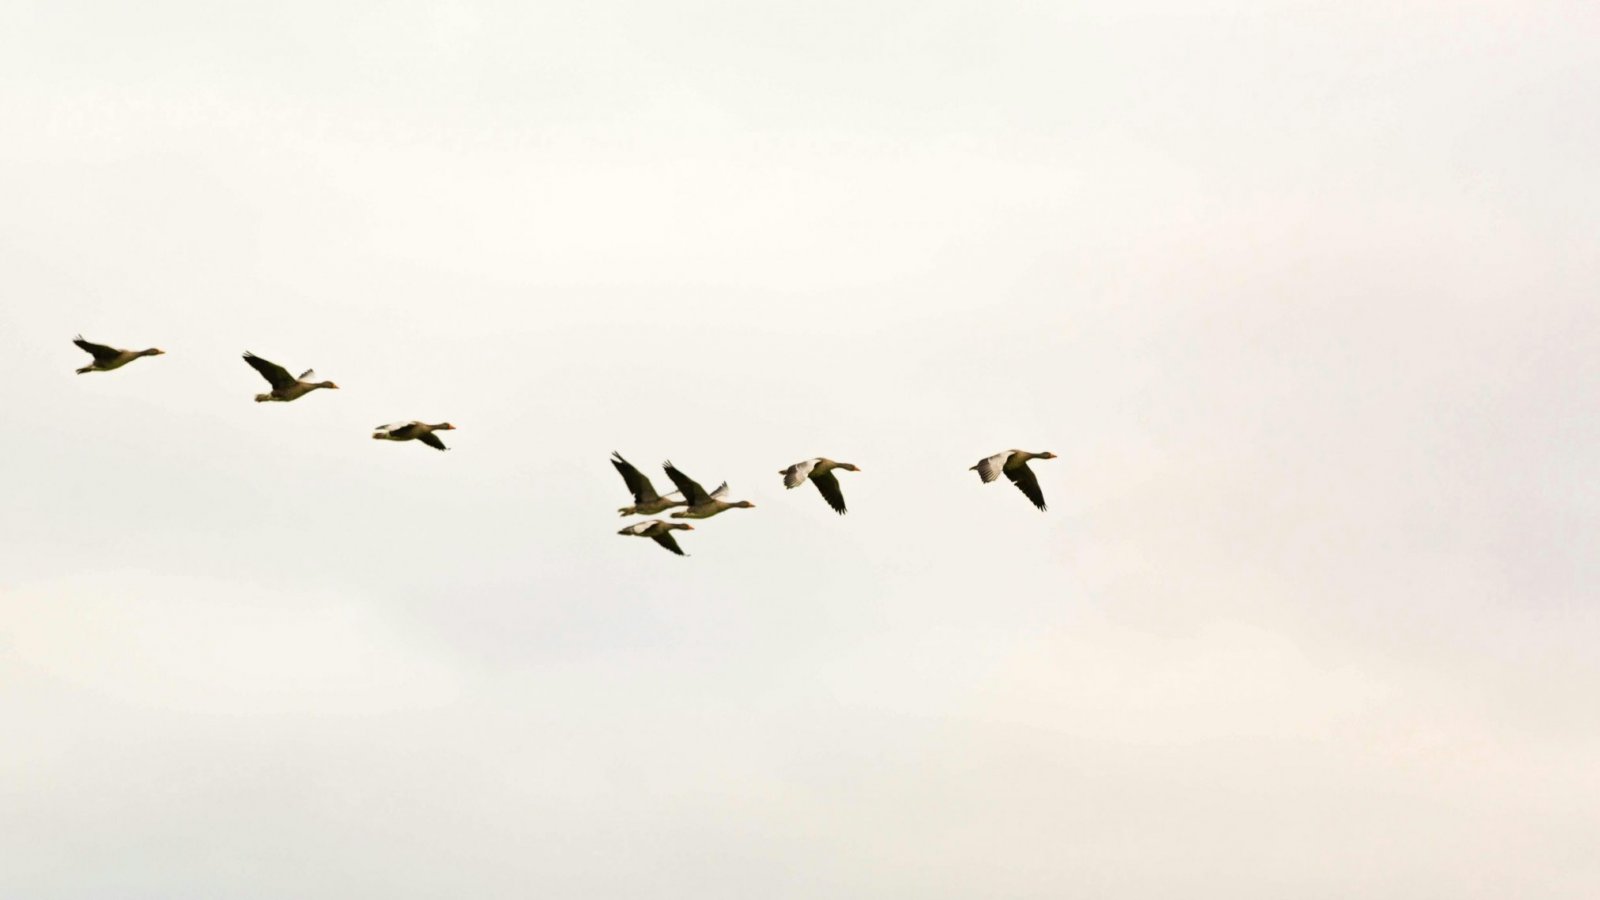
1302 294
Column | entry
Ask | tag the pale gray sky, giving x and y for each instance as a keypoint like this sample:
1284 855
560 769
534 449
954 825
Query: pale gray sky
1303 294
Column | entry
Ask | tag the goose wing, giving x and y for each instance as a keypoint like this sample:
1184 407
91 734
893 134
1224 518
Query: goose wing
100 352
1027 483
721 493
795 475
276 375
990 468
308 374
692 491
828 484
638 485
432 440
666 540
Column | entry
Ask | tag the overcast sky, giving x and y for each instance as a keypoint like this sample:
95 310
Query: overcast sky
1304 295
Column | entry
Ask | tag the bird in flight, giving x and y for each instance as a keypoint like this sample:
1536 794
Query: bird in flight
701 504
660 532
1014 464
820 473
108 358
646 502
285 387
413 431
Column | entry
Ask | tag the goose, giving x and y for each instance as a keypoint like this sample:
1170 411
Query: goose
413 431
646 502
108 358
284 387
1014 463
660 532
701 505
820 471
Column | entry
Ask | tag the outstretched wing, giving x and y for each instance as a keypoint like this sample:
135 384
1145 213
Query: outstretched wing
276 375
989 469
638 485
432 440
308 374
1027 483
721 493
392 427
828 485
692 491
795 475
666 540
99 351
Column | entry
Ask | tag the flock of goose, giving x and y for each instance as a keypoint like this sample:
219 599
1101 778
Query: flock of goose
696 502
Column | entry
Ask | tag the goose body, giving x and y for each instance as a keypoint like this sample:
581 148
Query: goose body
413 431
646 502
819 472
285 387
108 358
660 532
1014 465
700 504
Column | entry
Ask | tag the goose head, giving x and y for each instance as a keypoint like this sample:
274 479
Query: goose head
443 426
848 467
1045 455
327 384
679 526
152 352
742 504
262 398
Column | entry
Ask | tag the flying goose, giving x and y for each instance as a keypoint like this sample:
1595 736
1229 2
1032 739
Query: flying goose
413 431
1014 463
701 505
820 471
108 358
646 502
660 532
284 387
